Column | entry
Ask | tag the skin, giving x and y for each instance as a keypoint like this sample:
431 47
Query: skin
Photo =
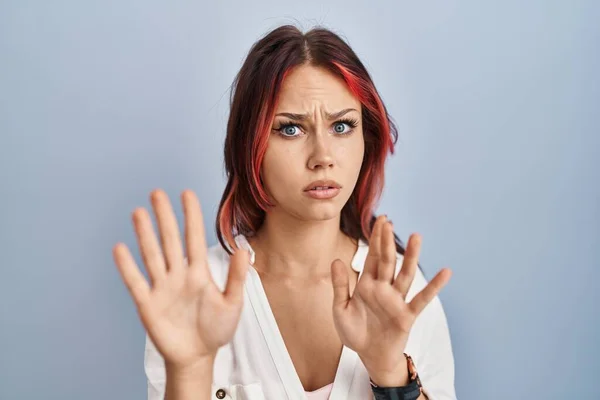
312 293
297 279
312 150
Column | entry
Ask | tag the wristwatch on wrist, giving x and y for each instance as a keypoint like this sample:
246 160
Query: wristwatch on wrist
412 391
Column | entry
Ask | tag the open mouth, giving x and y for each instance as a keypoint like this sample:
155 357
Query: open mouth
322 188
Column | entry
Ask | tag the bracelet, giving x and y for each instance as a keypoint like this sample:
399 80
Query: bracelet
412 391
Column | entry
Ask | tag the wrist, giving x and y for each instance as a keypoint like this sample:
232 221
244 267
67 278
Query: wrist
190 371
189 382
404 386
385 380
396 377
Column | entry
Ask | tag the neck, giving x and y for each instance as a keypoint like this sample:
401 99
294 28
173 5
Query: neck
287 247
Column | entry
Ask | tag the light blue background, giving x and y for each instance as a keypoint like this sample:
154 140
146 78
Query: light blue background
497 167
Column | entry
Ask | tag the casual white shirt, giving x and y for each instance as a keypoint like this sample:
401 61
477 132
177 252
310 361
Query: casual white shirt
255 364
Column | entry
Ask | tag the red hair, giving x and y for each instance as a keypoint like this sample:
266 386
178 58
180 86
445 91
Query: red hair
253 102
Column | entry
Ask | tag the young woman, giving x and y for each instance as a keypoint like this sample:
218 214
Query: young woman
308 294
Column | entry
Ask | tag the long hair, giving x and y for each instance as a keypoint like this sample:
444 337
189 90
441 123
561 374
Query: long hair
253 101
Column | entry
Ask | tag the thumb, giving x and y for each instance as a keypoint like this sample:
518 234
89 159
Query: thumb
341 282
238 267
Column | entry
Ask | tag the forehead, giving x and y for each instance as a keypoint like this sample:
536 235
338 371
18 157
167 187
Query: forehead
307 87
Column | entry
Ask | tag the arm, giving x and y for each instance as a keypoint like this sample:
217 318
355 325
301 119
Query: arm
384 311
181 303
397 378
190 384
435 363
167 382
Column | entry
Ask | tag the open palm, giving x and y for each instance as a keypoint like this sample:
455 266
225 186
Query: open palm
376 321
183 304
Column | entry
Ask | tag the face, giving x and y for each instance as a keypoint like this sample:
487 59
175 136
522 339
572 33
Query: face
318 146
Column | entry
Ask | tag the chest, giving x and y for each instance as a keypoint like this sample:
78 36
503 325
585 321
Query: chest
304 317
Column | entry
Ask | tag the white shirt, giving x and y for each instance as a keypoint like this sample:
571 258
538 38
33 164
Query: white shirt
255 364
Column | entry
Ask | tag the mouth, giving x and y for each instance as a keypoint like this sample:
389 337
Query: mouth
322 185
317 188
322 189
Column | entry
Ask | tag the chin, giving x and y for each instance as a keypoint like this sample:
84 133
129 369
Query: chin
322 212
312 210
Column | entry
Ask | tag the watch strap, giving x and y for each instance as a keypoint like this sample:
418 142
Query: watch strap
412 391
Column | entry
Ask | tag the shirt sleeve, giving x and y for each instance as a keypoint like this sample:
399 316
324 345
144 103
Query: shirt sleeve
154 367
435 364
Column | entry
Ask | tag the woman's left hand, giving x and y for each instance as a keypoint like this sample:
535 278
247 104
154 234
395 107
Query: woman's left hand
375 322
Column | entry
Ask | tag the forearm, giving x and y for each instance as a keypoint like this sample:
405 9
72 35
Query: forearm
190 383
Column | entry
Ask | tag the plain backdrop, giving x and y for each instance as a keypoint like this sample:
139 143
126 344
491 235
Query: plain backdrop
497 105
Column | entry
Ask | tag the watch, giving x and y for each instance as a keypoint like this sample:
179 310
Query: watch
412 391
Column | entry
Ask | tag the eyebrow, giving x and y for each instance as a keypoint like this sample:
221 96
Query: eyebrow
330 116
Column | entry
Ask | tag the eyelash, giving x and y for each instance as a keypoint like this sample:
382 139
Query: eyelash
353 123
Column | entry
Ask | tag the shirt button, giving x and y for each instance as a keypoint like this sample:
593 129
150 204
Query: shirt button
220 394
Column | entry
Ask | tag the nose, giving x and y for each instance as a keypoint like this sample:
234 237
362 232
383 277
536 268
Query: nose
320 156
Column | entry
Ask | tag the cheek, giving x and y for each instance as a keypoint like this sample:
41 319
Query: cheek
340 152
350 153
278 169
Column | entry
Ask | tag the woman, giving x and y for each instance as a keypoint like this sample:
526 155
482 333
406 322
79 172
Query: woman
308 294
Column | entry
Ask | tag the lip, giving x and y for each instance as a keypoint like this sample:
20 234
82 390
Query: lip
323 182
322 194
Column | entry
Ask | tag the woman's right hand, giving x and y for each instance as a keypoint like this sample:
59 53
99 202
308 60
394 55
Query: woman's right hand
185 314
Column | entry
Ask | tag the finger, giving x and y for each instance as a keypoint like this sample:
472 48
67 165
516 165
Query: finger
149 246
341 284
131 275
194 229
236 277
169 230
409 265
425 296
370 267
387 260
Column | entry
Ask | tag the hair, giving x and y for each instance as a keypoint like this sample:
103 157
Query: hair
253 101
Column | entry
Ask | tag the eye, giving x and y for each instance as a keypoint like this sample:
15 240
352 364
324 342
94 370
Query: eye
290 130
338 126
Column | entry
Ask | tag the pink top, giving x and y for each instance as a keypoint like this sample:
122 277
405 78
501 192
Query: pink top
320 394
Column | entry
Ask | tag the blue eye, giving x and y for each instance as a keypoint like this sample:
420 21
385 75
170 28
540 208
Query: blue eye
353 123
287 130
339 125
290 130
